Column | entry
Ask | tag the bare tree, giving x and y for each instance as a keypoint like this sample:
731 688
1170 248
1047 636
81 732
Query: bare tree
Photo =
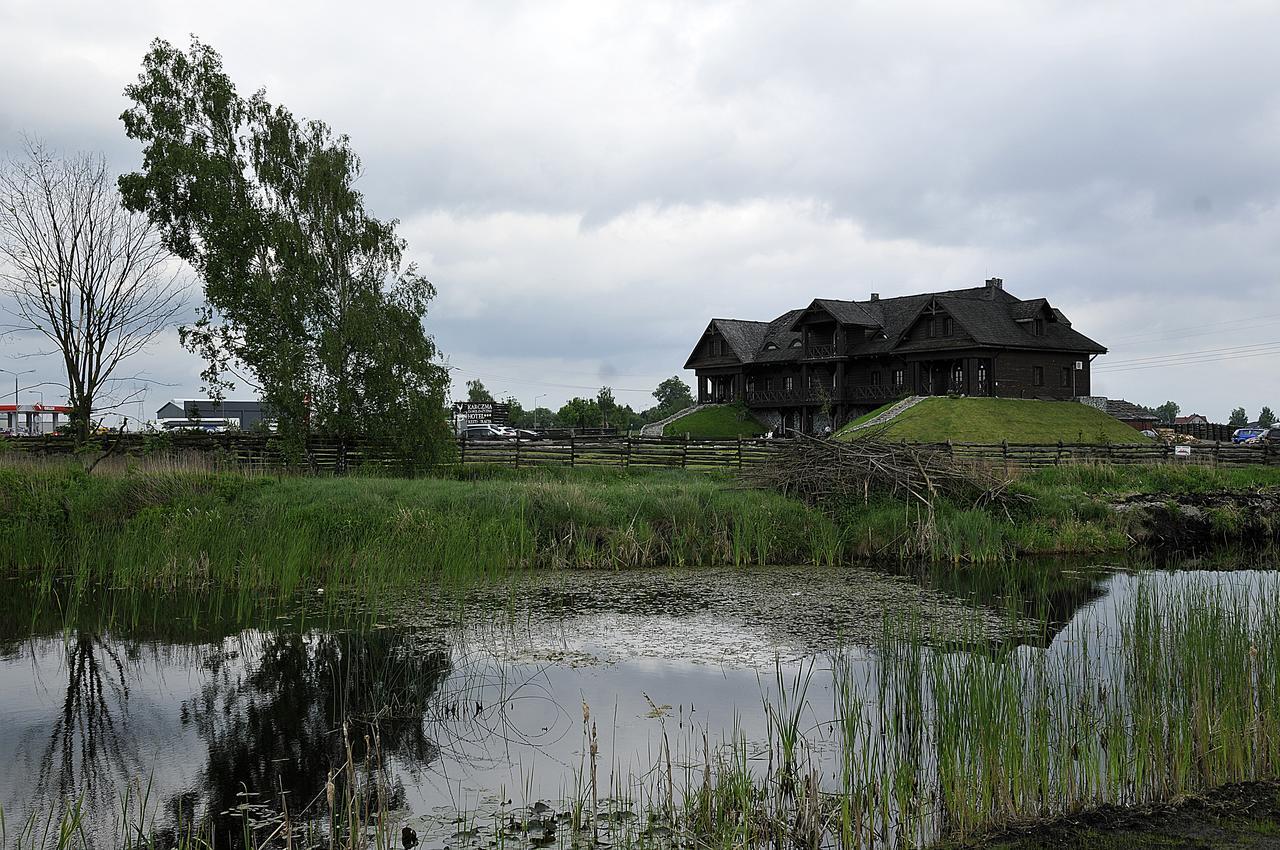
80 269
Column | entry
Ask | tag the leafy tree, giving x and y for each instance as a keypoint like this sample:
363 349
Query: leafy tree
476 392
515 412
673 395
1266 418
1238 418
607 405
1167 412
307 296
579 413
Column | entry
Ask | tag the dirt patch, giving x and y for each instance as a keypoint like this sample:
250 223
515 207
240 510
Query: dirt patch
1243 817
1197 522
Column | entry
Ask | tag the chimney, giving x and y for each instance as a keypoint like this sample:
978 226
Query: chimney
875 296
995 283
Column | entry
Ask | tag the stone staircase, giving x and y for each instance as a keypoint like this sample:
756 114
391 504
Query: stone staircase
906 404
654 429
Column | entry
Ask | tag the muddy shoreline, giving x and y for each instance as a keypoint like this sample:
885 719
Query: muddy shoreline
1244 815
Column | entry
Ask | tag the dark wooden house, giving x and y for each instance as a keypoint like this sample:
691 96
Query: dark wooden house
816 367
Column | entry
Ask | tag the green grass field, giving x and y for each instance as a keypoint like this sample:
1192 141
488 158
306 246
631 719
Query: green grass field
991 420
193 529
726 422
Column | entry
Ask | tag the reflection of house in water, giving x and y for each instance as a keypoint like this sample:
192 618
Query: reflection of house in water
1049 590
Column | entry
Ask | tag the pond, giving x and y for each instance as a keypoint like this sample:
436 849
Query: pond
475 713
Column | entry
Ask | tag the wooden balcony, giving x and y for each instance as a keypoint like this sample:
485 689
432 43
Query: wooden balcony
847 395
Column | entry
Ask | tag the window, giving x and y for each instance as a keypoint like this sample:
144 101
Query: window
930 326
771 346
946 326
1037 376
898 378
1039 327
715 346
795 343
788 383
751 384
1066 376
768 382
875 377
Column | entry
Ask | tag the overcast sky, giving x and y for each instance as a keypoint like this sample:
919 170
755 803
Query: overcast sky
587 184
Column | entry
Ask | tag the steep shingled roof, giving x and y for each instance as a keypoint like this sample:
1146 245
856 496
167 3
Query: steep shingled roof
988 314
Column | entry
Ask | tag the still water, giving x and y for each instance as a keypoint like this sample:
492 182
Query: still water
194 706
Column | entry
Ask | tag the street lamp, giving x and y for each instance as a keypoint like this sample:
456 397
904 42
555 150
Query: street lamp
535 409
15 392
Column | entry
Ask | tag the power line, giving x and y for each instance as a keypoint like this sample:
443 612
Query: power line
1168 356
1169 333
495 377
1202 361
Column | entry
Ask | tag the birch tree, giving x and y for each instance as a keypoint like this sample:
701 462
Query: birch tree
307 295
80 270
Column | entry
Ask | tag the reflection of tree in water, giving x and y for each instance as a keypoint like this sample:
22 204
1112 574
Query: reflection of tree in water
278 724
91 753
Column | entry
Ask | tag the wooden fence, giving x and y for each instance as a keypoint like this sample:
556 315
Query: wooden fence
637 452
1036 455
326 455
238 448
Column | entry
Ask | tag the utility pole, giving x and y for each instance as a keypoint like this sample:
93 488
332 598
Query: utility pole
535 409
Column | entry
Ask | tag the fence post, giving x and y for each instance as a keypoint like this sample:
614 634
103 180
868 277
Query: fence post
1217 446
626 459
573 451
517 449
1004 454
1057 458
739 451
684 452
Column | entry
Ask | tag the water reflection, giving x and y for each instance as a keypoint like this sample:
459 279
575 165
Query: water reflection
219 702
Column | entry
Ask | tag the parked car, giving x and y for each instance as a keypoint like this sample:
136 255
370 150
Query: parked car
1247 435
487 432
528 434
1272 435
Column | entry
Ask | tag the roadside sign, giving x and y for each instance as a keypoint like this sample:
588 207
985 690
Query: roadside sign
1182 451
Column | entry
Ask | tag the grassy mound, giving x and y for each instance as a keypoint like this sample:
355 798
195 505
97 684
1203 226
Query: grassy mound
724 422
991 420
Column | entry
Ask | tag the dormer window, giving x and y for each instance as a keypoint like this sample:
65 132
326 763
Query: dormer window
771 346
795 343
946 326
1039 327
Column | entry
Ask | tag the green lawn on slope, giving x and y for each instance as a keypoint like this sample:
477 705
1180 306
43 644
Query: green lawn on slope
991 420
723 422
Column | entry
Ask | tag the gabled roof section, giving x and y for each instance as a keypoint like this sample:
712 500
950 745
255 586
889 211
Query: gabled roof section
1036 307
742 336
844 312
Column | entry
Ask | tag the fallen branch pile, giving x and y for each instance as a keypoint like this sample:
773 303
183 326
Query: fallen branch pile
833 473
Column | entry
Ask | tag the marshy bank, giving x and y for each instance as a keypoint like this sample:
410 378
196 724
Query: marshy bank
178 527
